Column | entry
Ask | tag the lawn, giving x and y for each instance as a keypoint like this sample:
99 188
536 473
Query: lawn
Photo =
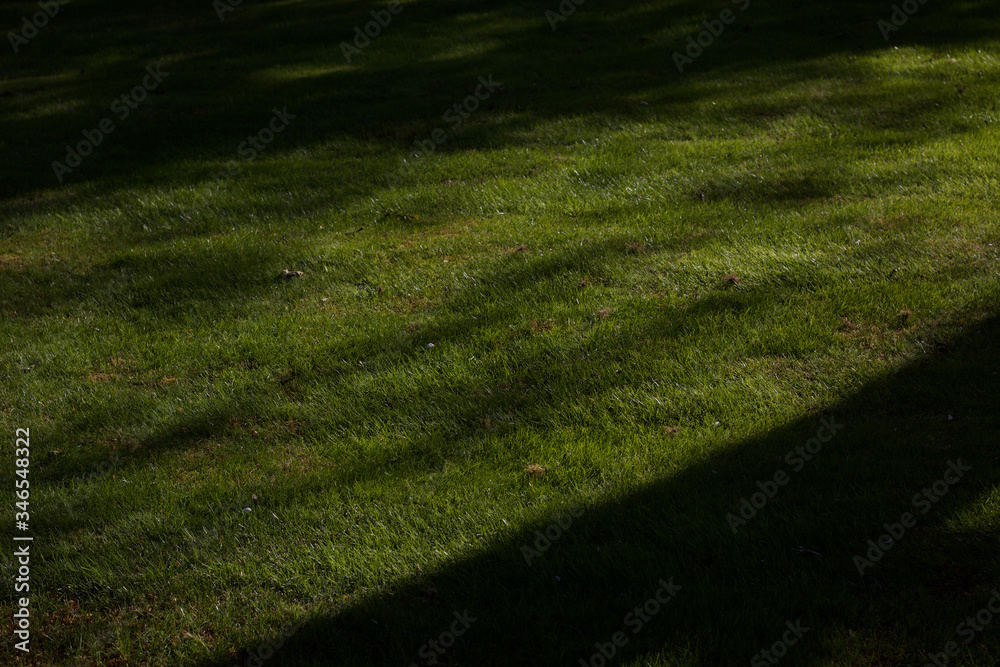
514 335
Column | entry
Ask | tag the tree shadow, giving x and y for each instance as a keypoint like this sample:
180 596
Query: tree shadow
462 317
737 590
794 559
596 67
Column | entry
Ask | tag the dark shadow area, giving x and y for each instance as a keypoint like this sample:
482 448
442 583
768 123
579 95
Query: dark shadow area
160 283
597 66
794 560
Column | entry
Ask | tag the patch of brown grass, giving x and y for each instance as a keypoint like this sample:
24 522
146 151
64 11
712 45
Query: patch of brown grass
415 304
541 325
535 471
895 222
12 262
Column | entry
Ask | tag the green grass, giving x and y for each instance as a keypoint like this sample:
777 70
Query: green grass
651 284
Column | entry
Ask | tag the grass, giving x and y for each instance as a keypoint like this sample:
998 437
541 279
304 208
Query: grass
614 288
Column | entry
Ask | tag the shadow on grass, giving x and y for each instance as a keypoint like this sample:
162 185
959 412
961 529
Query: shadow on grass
186 282
737 590
597 67
794 560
